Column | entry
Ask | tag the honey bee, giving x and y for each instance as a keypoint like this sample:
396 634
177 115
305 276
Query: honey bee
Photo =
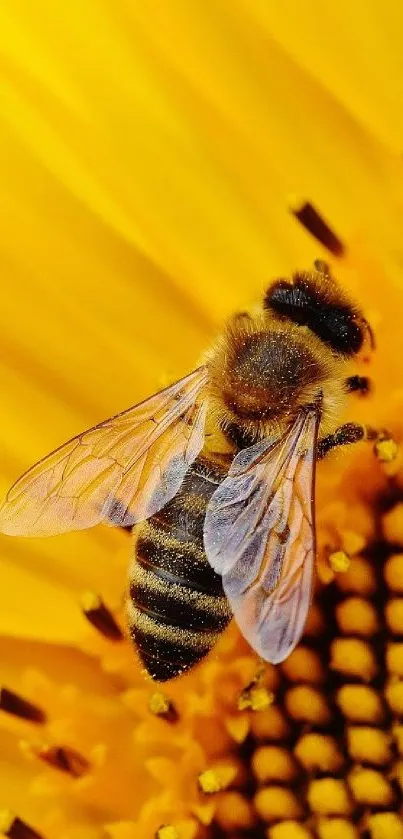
225 529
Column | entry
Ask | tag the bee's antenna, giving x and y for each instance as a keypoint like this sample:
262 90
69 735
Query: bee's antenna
370 333
324 268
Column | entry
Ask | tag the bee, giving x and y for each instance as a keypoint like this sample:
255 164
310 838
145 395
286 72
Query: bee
217 472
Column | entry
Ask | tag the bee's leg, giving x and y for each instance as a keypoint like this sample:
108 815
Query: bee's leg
350 432
385 447
358 384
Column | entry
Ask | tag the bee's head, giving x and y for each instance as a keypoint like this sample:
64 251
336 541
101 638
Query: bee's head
314 299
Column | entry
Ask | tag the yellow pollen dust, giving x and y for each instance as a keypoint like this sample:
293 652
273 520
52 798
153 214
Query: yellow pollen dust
89 601
216 779
255 698
167 831
159 704
339 562
386 450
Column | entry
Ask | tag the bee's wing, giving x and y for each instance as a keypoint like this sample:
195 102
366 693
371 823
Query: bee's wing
259 535
121 471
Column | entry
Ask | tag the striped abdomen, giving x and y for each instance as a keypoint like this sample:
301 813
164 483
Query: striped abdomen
177 608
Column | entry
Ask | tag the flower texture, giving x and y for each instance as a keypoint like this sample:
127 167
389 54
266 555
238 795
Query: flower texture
149 154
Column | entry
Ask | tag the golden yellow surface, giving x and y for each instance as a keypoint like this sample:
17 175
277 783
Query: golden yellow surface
149 157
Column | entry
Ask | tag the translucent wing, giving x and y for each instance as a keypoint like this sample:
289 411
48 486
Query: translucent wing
259 535
121 471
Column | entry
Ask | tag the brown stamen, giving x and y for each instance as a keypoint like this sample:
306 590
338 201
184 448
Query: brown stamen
313 222
161 706
64 758
12 827
98 614
16 705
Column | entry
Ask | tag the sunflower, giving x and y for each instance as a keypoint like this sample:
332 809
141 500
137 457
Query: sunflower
160 163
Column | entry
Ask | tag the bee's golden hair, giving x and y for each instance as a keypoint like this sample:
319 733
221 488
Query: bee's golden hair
263 368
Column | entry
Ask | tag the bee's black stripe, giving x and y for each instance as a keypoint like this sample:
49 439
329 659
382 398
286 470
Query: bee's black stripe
172 600
167 650
176 566
177 605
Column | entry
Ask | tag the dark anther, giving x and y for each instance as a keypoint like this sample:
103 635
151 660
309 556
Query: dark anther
313 222
100 617
13 704
65 759
12 827
348 433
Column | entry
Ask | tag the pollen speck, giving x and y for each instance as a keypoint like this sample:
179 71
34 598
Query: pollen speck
216 779
168 831
386 450
256 697
339 562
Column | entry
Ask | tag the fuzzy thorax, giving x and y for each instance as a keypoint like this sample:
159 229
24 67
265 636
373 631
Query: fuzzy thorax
262 372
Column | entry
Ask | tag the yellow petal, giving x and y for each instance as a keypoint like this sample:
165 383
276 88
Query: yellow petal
351 50
148 155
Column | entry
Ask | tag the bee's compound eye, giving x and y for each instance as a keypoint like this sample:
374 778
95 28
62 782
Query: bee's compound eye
277 294
336 324
292 301
342 332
